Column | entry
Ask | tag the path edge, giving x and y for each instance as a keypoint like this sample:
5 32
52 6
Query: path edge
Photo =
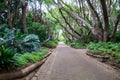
25 71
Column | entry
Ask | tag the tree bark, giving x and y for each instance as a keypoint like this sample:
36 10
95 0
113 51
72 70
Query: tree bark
94 15
106 21
9 16
23 18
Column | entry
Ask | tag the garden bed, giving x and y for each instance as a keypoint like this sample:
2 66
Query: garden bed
23 71
107 52
105 59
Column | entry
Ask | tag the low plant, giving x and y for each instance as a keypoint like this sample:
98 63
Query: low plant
117 57
31 43
105 48
51 44
7 60
31 57
76 44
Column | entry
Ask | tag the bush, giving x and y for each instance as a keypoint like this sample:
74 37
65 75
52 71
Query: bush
38 29
51 44
31 57
116 38
18 41
15 42
7 60
31 43
117 57
76 44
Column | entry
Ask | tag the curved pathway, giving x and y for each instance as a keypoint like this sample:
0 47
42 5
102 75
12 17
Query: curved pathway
67 63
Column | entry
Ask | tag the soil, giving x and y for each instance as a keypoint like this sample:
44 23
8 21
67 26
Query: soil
107 60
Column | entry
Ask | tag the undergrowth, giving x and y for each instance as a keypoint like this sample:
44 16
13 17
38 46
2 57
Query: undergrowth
105 48
31 57
76 44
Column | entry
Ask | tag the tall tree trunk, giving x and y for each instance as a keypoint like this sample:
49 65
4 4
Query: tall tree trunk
9 16
23 18
49 31
106 20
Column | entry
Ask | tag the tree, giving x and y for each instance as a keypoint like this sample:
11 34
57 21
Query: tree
99 21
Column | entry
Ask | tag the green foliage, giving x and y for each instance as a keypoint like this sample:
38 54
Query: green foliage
44 50
31 57
1 5
28 57
18 41
31 43
116 38
117 57
76 44
48 2
51 43
38 29
7 60
15 42
105 48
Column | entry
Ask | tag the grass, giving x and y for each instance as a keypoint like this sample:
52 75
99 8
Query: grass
32 57
105 48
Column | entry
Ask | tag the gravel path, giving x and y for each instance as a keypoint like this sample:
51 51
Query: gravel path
67 63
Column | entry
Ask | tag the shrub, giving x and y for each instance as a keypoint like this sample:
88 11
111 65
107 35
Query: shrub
7 60
31 43
117 57
76 44
51 44
15 42
18 41
31 57
38 29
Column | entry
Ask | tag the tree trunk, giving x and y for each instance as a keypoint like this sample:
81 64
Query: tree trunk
9 17
23 18
106 21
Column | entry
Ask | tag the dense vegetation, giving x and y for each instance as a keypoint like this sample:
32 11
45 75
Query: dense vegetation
103 48
77 44
23 59
27 25
23 28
